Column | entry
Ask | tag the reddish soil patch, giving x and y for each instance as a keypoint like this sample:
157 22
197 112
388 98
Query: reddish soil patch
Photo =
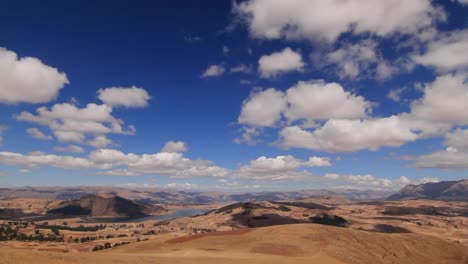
277 249
145 247
59 250
197 236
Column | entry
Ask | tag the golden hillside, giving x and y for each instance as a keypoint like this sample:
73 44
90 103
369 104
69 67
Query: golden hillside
299 243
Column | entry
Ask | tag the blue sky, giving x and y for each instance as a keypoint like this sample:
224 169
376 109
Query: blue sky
233 95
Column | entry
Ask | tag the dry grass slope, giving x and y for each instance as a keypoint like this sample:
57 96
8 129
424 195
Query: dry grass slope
300 243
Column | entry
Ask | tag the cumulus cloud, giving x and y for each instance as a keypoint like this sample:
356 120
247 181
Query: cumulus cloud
40 159
175 146
69 148
345 135
318 100
38 134
457 139
325 21
280 62
318 162
99 141
447 159
262 108
404 180
70 123
213 71
309 101
323 116
455 156
28 80
122 96
116 162
279 168
444 100
366 181
447 52
174 165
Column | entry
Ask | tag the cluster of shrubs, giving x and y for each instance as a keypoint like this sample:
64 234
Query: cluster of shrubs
202 230
9 233
80 228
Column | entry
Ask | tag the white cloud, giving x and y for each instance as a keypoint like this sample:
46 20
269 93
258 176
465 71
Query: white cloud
175 146
318 162
323 116
27 79
248 136
174 165
115 162
69 148
356 61
351 59
280 62
40 159
368 181
279 168
99 141
447 52
112 157
458 139
444 100
448 159
404 180
121 172
72 124
242 68
344 135
317 100
122 96
318 20
362 181
213 71
395 94
385 70
427 179
332 176
37 134
182 186
309 101
262 108
455 156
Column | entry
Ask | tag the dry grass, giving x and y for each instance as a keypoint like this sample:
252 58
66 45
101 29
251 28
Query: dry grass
300 243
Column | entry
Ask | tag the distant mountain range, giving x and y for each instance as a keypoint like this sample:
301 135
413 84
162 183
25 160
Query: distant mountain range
166 196
444 190
104 205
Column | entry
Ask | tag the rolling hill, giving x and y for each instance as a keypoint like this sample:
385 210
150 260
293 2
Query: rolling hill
104 205
299 243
